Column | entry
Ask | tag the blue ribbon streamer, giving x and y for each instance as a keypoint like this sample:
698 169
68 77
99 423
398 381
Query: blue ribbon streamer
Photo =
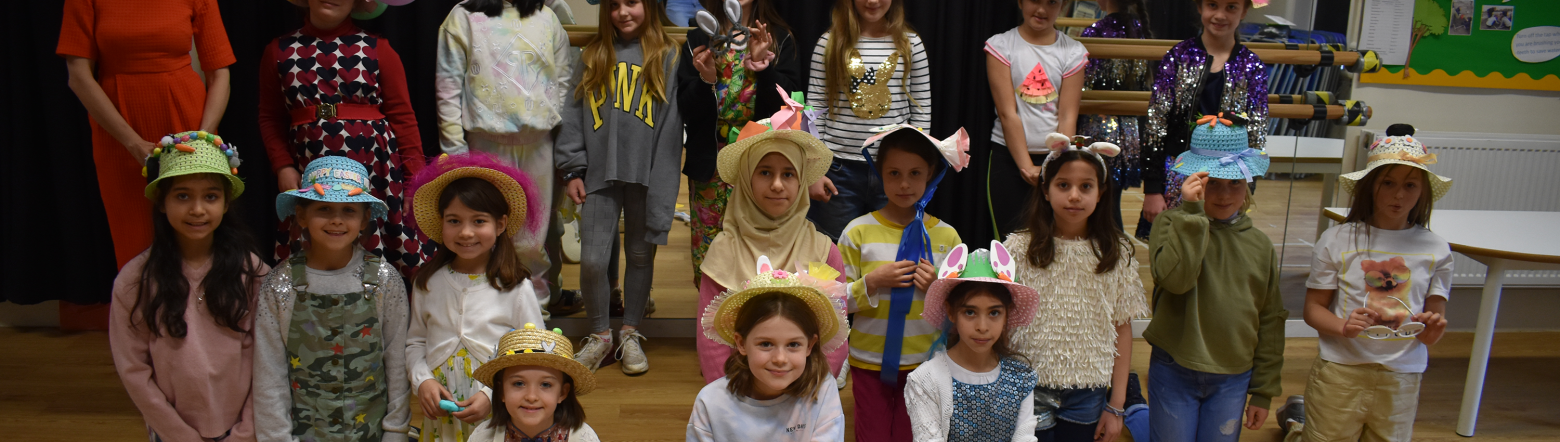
914 245
1227 157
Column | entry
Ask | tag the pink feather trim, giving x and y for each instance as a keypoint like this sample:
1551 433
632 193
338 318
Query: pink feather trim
437 167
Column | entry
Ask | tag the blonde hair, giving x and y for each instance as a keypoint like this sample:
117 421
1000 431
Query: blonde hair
842 39
600 58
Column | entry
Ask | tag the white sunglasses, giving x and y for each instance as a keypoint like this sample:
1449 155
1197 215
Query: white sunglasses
1407 330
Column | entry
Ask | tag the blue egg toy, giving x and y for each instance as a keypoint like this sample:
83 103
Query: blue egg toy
448 405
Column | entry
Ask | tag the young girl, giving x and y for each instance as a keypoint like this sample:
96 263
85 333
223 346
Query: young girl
744 82
618 151
183 310
777 386
1203 75
888 256
537 384
1218 327
869 70
475 289
330 333
500 87
332 89
767 168
1024 66
1124 19
1377 292
1082 267
978 389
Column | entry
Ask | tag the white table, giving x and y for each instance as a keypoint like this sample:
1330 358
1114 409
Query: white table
1503 241
1308 155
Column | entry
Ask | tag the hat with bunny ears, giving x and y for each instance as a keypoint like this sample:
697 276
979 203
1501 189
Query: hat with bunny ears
815 286
1059 143
954 149
995 265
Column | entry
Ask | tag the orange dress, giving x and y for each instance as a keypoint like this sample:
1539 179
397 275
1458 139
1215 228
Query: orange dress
142 52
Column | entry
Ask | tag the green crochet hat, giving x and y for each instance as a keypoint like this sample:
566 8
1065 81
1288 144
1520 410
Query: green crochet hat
186 153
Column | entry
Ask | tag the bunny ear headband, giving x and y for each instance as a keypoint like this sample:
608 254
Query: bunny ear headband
1059 143
736 39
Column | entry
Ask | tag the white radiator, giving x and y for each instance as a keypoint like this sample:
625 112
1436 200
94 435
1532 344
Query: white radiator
1493 172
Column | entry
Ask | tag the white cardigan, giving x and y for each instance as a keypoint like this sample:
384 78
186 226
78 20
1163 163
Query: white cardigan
450 315
486 433
929 398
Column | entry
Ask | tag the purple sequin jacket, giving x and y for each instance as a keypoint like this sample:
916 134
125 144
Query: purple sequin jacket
1172 108
1117 75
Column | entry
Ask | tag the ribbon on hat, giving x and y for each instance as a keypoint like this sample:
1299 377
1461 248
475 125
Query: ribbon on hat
1428 158
1227 157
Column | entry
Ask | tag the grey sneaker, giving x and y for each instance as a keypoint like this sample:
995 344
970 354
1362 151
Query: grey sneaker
632 353
593 349
1293 412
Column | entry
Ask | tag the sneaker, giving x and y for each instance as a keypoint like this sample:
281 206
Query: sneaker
1293 412
593 349
1134 392
632 353
839 381
567 302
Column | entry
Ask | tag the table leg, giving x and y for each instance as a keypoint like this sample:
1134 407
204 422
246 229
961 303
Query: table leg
1473 387
1329 182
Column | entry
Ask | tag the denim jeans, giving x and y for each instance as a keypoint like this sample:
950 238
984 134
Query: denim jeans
860 193
1189 405
681 12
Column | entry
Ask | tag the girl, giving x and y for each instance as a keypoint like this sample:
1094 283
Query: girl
1124 19
330 333
537 384
777 386
505 109
1203 75
1082 267
978 389
475 289
1382 274
767 168
331 89
1024 66
619 151
1218 328
183 310
869 70
744 82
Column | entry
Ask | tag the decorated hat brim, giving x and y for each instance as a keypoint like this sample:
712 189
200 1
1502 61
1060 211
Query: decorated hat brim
719 319
1439 185
235 185
584 380
425 201
1189 163
1025 300
287 201
818 156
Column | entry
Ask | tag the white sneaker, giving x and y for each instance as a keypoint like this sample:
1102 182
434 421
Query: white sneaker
593 349
632 353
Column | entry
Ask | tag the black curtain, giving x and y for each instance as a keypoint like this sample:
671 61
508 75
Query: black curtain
1175 19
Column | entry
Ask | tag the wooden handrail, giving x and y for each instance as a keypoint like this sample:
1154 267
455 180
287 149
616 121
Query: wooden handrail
1125 107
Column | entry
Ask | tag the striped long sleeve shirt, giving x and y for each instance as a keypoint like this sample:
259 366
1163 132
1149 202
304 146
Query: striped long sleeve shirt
839 127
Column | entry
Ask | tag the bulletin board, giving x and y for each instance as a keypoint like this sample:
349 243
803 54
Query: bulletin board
1486 56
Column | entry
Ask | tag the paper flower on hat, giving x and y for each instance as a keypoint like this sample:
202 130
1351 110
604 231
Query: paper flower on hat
1059 143
735 40
794 115
955 149
825 297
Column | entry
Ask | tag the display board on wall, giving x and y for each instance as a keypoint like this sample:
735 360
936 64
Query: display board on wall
1506 44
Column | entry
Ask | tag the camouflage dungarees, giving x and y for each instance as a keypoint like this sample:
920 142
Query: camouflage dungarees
336 360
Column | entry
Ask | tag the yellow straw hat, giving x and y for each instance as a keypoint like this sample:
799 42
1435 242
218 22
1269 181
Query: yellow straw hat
1400 149
514 184
531 347
815 287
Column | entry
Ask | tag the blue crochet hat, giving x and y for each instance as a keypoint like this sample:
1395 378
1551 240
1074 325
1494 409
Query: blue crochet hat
1219 147
332 179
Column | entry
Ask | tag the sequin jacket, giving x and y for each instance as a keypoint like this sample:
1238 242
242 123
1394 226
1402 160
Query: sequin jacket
1172 107
1119 75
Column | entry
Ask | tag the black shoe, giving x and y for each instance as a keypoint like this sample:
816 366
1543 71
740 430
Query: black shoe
1134 392
1293 412
617 305
567 302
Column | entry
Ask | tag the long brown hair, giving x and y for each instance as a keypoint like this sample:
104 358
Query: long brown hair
569 414
843 34
600 58
1363 207
962 293
739 375
504 268
163 293
1109 243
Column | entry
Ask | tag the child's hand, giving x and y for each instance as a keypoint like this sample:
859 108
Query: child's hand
891 275
477 409
1358 321
925 275
288 179
1435 327
576 190
1109 427
822 190
1255 416
1153 205
704 63
429 394
1192 188
759 43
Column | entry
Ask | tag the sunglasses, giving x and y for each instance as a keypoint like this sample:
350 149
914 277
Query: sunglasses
1407 330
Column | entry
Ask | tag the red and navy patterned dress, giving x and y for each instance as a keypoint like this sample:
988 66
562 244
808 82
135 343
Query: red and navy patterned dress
362 77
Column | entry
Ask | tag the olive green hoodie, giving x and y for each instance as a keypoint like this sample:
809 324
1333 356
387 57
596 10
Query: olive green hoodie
1216 302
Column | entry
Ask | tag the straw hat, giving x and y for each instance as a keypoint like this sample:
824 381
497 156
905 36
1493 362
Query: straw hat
995 265
531 347
429 184
1400 149
332 179
192 152
1221 148
794 123
815 287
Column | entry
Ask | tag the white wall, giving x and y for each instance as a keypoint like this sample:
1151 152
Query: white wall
585 14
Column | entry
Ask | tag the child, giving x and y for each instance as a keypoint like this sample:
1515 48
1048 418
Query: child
619 150
888 257
1202 75
1024 66
183 310
1218 327
744 83
474 289
537 384
767 167
869 70
1082 267
1125 19
1384 273
332 89
330 333
978 389
777 386
500 87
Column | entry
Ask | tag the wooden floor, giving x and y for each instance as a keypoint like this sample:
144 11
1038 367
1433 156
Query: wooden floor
62 387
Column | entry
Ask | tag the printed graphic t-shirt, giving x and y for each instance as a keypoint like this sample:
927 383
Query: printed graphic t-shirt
1370 266
1037 72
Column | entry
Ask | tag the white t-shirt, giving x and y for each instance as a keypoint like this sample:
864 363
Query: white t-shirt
1411 264
719 415
1062 59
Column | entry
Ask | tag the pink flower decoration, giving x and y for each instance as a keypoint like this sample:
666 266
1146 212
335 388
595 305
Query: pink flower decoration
780 274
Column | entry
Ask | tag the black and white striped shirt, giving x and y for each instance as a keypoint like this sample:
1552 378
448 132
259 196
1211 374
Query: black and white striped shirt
843 132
